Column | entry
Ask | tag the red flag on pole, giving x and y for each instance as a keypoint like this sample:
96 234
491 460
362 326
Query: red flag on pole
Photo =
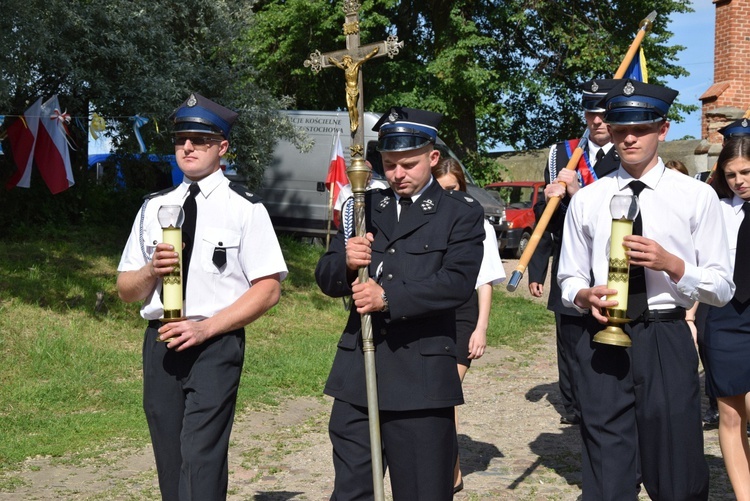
51 154
336 178
22 135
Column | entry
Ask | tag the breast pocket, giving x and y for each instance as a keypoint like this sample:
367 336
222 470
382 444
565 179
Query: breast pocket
150 240
220 251
423 256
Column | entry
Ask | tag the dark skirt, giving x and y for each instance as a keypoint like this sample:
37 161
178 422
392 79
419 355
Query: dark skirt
466 322
726 345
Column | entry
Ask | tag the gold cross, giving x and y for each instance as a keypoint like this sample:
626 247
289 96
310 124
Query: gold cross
351 60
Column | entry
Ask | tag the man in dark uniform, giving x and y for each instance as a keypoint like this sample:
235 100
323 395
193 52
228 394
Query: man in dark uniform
423 249
640 406
599 159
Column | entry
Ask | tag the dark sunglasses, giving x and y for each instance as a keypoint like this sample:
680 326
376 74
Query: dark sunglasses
198 142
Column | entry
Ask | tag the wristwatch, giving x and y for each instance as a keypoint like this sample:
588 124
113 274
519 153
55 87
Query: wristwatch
385 302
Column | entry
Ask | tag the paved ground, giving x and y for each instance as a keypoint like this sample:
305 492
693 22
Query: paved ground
512 446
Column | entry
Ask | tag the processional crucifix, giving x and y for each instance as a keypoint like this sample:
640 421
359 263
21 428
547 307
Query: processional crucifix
351 60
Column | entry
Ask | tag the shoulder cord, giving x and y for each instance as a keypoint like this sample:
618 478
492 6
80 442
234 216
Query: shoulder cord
140 237
348 219
553 164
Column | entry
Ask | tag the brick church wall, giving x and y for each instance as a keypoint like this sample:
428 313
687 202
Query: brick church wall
729 96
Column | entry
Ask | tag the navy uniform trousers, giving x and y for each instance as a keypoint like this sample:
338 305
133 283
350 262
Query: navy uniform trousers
189 399
569 330
415 444
642 403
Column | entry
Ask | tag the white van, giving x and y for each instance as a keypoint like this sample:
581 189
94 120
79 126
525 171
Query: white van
293 188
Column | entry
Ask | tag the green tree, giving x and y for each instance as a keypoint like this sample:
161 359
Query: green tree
502 72
121 58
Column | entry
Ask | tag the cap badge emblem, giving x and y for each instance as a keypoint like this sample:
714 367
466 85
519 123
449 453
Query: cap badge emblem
384 203
744 123
192 101
393 116
428 204
628 90
594 87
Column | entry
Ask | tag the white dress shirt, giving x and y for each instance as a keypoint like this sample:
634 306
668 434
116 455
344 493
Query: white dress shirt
224 219
491 270
733 217
680 213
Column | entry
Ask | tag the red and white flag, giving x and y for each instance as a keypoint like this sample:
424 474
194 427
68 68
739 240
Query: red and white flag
51 153
22 135
336 178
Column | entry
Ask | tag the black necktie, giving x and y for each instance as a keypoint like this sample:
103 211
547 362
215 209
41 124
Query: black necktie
599 154
188 232
637 296
405 203
741 262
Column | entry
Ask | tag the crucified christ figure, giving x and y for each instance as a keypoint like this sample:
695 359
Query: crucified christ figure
351 74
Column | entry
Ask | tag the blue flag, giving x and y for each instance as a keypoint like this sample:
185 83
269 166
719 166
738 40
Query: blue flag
637 69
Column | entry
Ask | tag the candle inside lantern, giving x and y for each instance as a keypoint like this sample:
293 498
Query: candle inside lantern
618 263
170 219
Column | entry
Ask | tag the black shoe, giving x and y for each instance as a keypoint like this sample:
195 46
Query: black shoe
571 419
459 487
711 418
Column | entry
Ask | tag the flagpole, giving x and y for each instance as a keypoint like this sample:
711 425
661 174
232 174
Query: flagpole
554 202
330 215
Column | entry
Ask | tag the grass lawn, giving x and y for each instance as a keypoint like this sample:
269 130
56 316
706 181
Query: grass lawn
71 373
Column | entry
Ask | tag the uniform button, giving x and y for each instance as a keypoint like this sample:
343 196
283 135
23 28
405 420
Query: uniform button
391 251
155 242
426 246
383 331
389 276
221 244
338 282
403 318
447 348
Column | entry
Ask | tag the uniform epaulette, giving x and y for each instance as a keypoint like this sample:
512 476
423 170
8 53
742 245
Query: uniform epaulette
159 193
462 196
242 190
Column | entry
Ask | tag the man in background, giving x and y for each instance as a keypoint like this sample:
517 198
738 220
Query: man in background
599 159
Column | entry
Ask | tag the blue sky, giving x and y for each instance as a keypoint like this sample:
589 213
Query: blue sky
694 31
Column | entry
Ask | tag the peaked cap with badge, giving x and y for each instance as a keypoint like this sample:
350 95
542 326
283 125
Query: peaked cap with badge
200 114
404 129
631 102
739 127
593 91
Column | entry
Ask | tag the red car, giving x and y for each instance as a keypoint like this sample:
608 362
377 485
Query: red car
519 198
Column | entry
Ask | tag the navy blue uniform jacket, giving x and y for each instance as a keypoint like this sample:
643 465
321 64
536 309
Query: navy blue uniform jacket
430 262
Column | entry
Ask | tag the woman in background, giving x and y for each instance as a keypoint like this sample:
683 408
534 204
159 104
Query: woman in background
472 319
727 332
677 165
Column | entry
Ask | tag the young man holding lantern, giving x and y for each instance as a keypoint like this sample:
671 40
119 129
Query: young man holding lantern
640 406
